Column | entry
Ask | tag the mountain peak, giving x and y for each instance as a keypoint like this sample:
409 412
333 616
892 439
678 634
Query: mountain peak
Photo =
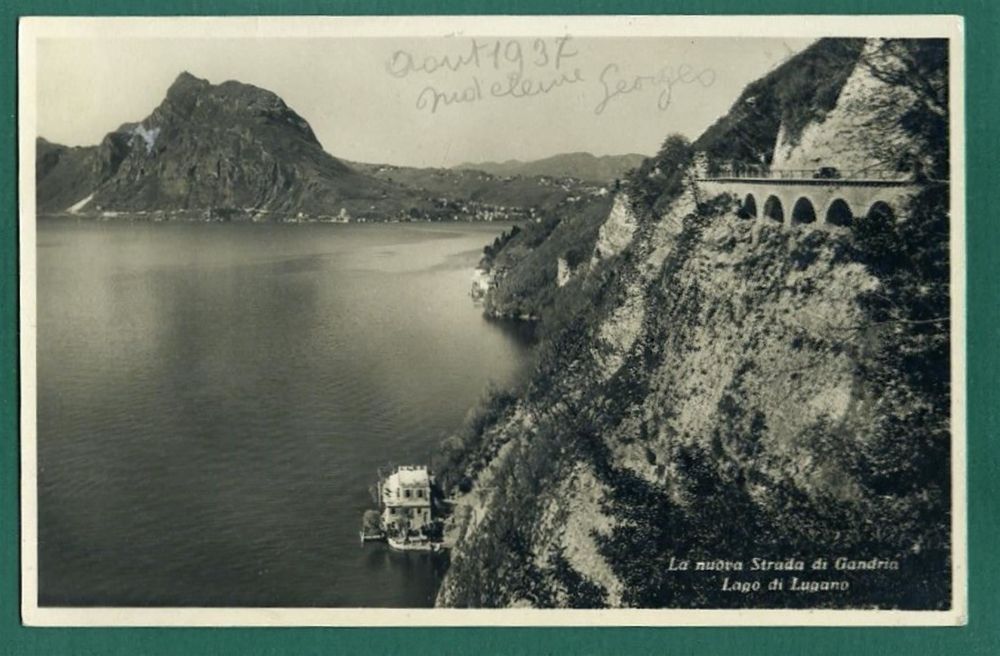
185 83
196 101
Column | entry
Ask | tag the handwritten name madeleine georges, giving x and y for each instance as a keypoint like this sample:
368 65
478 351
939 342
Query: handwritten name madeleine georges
519 69
821 574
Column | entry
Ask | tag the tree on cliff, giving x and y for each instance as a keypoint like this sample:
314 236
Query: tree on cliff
915 71
920 65
661 176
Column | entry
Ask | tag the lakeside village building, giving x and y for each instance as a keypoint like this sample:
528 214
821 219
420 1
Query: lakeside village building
406 503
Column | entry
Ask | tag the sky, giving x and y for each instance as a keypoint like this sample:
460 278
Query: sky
423 101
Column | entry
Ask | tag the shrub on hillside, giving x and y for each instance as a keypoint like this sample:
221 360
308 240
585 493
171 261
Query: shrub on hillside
661 176
459 452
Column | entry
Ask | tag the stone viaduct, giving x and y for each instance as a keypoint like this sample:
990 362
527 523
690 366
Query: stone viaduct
797 197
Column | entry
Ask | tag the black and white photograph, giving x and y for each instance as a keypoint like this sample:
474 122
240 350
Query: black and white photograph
492 321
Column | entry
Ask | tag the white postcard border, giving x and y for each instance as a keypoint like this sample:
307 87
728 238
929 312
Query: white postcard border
34 28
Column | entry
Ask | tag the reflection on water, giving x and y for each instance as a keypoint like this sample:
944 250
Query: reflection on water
213 402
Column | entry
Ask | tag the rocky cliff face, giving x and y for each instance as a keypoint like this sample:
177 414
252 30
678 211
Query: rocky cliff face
800 92
719 389
869 127
616 233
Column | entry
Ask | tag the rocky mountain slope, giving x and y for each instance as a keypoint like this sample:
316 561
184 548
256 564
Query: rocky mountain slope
583 166
711 389
233 151
223 148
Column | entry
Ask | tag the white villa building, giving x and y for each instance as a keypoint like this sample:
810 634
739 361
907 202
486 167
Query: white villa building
406 500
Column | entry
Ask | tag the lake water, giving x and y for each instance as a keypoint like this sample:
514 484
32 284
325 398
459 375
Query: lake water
214 400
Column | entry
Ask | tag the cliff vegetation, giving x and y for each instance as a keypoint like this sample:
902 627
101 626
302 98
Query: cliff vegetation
712 389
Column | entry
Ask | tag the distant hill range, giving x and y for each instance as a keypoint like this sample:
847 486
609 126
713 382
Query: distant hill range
234 151
479 187
583 166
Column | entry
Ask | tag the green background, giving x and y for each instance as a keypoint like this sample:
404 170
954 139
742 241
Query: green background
981 636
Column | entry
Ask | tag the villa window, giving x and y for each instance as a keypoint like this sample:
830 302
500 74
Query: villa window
407 493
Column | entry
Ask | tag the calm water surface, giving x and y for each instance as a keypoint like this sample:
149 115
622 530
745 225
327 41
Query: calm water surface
213 401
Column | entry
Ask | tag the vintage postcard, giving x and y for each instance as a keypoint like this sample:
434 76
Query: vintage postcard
492 321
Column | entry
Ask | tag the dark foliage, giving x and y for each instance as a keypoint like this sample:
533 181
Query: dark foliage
660 178
909 362
462 454
490 251
920 67
525 264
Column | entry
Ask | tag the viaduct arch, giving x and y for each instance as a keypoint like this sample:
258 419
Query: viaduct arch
774 209
828 203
